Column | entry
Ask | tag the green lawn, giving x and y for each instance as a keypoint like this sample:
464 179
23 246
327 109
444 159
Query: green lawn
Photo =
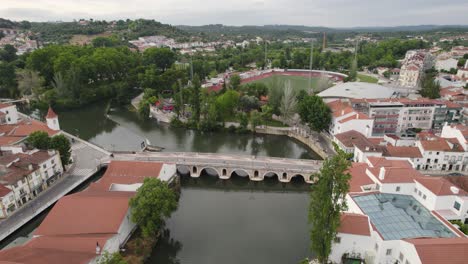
367 78
297 82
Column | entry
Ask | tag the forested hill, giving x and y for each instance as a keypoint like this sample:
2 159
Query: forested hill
61 32
5 23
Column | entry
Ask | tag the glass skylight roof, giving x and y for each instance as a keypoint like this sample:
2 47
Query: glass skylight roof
400 216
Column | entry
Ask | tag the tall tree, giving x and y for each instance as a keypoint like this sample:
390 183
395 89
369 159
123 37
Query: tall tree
314 112
430 87
327 201
235 81
8 83
39 140
163 58
196 98
63 146
8 54
154 201
288 103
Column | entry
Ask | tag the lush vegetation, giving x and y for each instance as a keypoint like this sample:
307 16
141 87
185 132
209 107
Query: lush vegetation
367 78
41 140
314 112
430 88
327 201
154 202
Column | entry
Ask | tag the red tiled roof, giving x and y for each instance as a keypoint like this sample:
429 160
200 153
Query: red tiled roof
7 140
26 127
4 190
86 213
5 105
439 185
30 255
396 175
435 144
340 108
355 224
358 116
383 162
441 250
127 172
404 152
51 113
358 177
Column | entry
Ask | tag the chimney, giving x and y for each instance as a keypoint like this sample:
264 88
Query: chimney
367 148
357 116
30 167
382 173
342 112
98 249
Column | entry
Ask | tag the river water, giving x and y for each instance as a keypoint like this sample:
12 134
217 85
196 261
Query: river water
234 221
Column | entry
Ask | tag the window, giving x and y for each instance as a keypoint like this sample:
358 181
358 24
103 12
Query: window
416 190
430 152
389 252
424 197
337 239
29 177
7 112
398 188
446 157
52 161
419 193
401 257
376 247
438 152
44 166
436 160
428 160
456 205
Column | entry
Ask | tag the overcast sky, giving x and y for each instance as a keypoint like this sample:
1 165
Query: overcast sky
332 13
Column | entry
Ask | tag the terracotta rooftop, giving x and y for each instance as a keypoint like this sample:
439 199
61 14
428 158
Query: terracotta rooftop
26 127
32 255
4 190
404 152
358 116
340 108
7 140
383 162
396 175
352 137
127 172
358 177
436 144
441 250
86 213
5 105
439 186
354 224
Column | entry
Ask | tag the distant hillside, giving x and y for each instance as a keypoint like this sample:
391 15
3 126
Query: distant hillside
218 28
5 23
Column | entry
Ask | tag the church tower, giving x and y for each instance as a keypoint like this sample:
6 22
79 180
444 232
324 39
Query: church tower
52 120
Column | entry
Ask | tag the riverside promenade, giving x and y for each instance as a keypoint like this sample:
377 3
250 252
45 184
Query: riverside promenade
87 160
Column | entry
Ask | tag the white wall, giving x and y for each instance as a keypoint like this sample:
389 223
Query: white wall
350 243
11 114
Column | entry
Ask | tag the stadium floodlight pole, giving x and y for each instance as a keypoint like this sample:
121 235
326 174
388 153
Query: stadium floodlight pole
191 68
266 56
311 61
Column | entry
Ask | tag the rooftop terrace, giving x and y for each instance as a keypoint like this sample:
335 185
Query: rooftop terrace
400 216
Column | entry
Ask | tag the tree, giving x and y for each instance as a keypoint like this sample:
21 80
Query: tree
327 201
314 112
430 87
108 258
248 103
63 146
288 103
196 98
29 82
8 54
163 58
275 93
8 83
255 119
353 71
227 103
39 140
154 201
235 81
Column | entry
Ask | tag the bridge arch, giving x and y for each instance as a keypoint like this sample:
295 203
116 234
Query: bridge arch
210 169
240 172
271 174
299 176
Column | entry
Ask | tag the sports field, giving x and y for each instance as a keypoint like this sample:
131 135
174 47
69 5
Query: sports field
297 82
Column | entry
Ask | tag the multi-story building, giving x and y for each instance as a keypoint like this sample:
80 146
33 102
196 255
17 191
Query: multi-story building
397 215
345 118
413 67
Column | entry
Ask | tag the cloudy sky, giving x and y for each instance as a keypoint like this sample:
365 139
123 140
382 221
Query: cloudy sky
332 13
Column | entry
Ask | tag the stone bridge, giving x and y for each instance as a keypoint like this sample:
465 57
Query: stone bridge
224 165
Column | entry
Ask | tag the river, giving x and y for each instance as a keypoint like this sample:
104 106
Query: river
234 221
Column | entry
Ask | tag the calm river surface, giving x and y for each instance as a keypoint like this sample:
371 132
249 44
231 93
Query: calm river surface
234 221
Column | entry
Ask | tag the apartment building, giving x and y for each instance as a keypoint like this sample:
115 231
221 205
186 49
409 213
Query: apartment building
397 215
413 67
